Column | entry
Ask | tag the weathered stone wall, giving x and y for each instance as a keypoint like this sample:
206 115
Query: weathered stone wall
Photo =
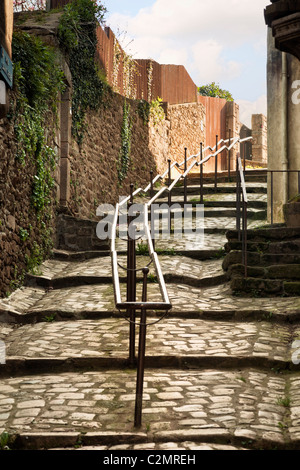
20 229
259 142
283 72
187 129
94 165
233 123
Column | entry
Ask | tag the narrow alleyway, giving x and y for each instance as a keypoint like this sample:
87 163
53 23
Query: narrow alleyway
219 371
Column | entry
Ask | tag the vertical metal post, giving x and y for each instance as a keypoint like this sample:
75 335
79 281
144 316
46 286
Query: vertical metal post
201 174
169 197
169 182
229 155
238 201
216 164
185 179
131 279
150 208
272 189
243 231
244 148
151 185
245 237
141 356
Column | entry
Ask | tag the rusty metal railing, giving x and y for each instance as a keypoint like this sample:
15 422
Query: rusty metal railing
131 304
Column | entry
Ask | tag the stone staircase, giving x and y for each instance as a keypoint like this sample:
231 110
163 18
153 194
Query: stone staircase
221 370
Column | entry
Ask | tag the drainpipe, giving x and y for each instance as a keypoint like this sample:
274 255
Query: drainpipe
284 162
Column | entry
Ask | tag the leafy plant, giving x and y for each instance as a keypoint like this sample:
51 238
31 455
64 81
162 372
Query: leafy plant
78 39
50 318
142 248
4 440
144 110
124 155
156 112
24 234
152 278
285 401
213 89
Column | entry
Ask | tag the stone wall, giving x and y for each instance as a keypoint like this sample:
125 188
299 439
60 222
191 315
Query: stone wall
94 165
22 235
259 142
187 129
283 72
233 124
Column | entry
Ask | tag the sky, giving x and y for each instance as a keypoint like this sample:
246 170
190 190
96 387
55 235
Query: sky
216 40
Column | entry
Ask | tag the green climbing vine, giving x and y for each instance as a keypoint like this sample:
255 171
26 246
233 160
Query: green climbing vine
37 82
124 155
78 39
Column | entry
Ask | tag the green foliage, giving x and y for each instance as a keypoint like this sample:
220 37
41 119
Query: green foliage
37 83
78 39
38 80
144 110
142 248
4 440
285 401
34 259
124 155
156 112
213 89
37 75
24 234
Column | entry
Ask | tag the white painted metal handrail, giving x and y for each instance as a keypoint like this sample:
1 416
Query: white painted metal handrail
165 304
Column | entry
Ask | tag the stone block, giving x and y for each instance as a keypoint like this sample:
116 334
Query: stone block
291 288
289 271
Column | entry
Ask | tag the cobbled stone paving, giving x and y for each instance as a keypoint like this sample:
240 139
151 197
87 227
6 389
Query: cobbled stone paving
222 371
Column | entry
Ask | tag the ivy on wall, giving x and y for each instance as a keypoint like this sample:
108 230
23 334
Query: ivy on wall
124 155
37 81
78 39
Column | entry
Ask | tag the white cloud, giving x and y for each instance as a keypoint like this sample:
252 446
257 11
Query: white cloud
208 64
247 108
202 35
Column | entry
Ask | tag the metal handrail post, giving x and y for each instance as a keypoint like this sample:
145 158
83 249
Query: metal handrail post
131 279
185 178
216 164
243 232
272 208
150 209
141 356
169 182
245 238
238 202
229 155
201 174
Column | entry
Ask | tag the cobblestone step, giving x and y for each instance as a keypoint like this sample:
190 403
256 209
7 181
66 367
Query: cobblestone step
221 370
243 408
170 342
30 304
